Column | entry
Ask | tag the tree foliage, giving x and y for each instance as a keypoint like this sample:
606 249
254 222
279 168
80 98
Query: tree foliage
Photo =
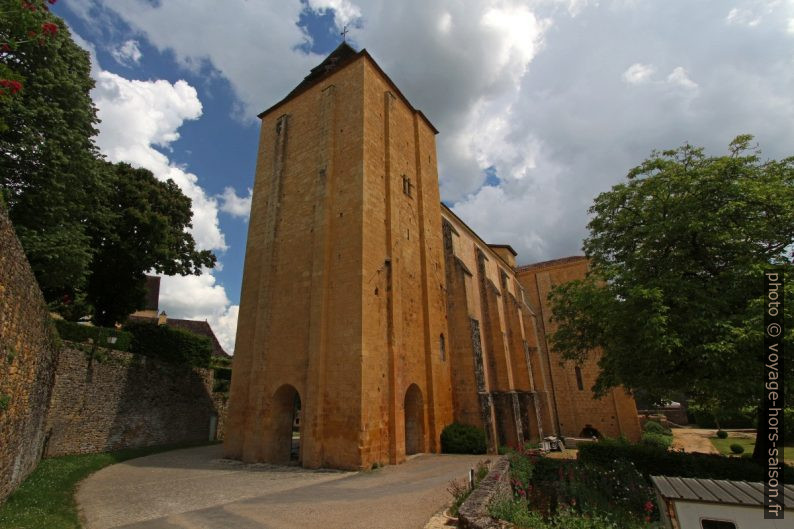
90 229
674 298
143 227
47 156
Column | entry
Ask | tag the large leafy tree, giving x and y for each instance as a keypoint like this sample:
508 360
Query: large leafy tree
90 229
143 228
674 296
48 172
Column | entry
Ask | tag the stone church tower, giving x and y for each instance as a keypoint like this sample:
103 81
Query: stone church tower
342 304
371 316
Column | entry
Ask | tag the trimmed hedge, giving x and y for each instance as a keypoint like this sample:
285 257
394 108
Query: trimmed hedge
652 461
101 336
657 428
459 438
744 418
657 440
169 344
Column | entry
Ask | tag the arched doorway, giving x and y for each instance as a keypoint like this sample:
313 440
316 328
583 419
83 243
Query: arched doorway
414 420
286 421
589 431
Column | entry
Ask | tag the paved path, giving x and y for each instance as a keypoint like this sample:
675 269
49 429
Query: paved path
194 488
694 440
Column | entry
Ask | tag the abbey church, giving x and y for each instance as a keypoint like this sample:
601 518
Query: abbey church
374 310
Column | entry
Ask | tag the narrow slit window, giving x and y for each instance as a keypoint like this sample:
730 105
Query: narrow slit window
442 348
579 382
407 186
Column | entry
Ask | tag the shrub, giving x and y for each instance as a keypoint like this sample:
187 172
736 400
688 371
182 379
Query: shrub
223 378
657 440
462 439
517 512
655 427
460 490
722 434
165 343
743 418
736 448
100 336
651 461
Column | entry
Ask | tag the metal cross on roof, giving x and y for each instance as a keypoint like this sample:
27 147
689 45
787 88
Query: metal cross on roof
344 33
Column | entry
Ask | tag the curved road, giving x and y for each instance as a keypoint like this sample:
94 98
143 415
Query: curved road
195 488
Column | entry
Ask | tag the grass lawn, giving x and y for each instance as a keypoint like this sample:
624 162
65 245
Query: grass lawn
46 498
724 446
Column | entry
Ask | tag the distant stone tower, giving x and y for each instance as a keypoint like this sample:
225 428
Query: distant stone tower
342 311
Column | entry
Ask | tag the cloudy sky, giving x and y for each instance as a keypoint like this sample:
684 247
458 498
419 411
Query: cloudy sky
540 104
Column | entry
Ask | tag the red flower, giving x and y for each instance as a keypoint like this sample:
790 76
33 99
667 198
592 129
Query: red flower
648 506
52 1
14 86
5 47
49 28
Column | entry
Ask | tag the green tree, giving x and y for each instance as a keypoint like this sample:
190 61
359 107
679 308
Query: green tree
142 227
48 174
90 229
674 296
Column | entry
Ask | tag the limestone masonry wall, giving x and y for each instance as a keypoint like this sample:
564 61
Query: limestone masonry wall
121 400
28 352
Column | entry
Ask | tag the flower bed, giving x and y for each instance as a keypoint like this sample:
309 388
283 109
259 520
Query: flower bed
556 493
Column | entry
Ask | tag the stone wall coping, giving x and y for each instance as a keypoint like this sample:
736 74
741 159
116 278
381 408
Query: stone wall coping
473 514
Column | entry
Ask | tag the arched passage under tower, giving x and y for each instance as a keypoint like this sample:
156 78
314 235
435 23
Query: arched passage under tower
414 421
284 437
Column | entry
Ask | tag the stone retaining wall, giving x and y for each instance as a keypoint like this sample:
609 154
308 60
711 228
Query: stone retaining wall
28 353
473 514
112 400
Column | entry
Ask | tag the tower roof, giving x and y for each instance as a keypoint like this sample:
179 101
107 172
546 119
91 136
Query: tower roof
343 55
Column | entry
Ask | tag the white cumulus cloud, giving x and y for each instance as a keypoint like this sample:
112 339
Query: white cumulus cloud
201 298
680 77
235 205
135 117
531 89
638 73
127 53
345 12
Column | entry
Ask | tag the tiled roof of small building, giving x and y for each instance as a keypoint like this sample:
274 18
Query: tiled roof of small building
199 327
552 262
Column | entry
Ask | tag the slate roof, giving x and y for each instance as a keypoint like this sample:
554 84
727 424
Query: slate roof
717 491
343 55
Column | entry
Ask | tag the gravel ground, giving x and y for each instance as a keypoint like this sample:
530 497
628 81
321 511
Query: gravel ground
195 488
694 440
